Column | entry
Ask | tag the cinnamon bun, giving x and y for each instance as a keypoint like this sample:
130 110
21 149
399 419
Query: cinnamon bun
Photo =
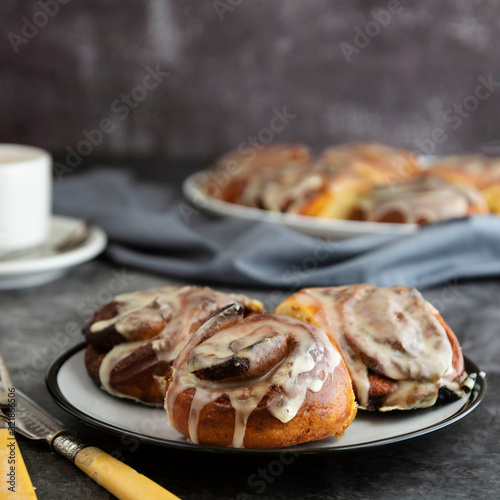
265 381
287 188
232 171
133 340
377 163
476 170
399 351
421 200
304 189
284 178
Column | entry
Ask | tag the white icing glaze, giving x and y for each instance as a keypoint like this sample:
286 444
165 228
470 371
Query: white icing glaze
236 167
396 328
380 163
310 361
282 189
110 360
477 170
136 308
428 199
179 309
236 340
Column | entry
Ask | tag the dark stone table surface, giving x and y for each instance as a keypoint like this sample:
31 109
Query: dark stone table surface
459 461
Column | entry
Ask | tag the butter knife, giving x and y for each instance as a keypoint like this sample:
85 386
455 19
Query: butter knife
119 479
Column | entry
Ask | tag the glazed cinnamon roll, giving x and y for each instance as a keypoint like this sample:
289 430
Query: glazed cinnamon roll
338 196
399 351
231 172
287 188
421 200
133 340
265 381
351 171
476 170
377 163
304 189
284 178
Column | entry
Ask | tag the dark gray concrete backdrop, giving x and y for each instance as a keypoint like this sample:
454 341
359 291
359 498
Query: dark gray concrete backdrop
420 74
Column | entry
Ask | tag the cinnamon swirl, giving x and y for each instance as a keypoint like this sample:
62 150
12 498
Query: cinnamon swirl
284 178
265 381
476 170
399 351
133 340
232 171
304 189
377 163
421 200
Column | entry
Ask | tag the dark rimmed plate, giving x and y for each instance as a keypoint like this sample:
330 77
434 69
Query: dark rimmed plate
72 389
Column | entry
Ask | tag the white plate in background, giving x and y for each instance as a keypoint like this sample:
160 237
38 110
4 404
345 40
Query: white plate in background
314 226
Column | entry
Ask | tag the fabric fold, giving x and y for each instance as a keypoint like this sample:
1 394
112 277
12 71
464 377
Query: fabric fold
153 228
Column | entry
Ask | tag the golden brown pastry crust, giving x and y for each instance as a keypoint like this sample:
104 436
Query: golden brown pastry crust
285 178
422 200
390 376
474 170
377 163
245 411
232 171
314 421
304 189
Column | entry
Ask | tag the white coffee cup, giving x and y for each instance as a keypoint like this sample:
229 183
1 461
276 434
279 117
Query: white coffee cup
25 196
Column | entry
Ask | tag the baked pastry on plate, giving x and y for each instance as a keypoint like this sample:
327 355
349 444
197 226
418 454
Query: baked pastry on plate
285 178
377 163
133 340
399 351
232 171
421 200
304 189
290 188
477 171
264 381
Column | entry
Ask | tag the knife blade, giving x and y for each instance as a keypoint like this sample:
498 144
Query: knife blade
119 479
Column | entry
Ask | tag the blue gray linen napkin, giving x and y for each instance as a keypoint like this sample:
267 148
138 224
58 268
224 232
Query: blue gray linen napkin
151 227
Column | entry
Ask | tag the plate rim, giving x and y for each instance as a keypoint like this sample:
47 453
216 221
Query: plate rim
191 190
91 248
58 397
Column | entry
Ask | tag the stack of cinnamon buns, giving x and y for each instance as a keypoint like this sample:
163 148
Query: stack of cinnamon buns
231 374
366 181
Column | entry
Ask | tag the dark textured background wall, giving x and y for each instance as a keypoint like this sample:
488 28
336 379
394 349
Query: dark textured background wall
232 63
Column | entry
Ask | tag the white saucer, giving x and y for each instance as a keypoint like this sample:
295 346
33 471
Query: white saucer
43 265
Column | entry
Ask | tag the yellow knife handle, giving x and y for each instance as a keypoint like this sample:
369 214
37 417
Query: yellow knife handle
15 481
119 479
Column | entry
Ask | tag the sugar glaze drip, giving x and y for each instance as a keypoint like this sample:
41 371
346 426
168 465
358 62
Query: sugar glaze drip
180 309
226 340
396 328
